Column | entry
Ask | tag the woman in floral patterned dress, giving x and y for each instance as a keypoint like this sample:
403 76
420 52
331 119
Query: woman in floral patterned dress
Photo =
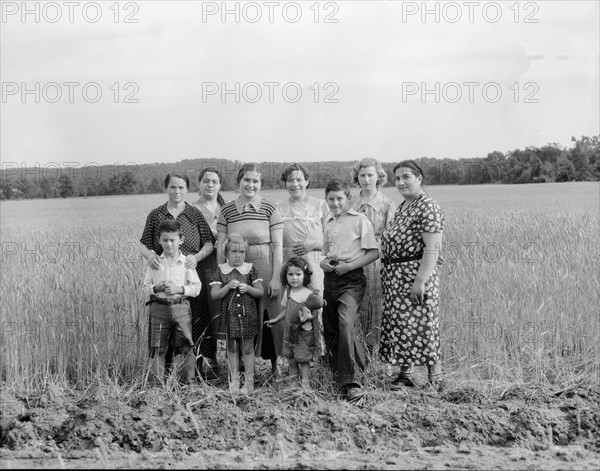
410 247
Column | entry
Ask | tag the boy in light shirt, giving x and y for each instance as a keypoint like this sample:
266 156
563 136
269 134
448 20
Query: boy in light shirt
349 244
169 288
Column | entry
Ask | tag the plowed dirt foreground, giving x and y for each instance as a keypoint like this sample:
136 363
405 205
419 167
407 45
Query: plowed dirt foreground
277 427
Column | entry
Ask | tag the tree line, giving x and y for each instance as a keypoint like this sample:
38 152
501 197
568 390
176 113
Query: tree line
549 163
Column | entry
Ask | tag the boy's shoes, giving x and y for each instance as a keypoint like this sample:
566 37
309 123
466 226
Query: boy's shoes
248 387
353 392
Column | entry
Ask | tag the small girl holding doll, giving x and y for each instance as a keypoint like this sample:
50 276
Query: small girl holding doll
237 285
298 302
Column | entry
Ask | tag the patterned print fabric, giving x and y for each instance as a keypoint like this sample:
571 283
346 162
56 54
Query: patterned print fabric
410 333
239 316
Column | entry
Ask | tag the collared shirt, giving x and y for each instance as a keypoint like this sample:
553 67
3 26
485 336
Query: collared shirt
379 210
302 224
244 269
196 231
348 237
175 272
254 220
211 218
252 206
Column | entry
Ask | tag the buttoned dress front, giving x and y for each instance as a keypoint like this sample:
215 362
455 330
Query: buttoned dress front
239 314
255 221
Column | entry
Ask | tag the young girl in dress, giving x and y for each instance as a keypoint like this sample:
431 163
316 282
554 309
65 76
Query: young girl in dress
298 303
238 287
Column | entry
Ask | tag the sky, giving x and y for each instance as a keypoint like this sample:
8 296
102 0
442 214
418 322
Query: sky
157 81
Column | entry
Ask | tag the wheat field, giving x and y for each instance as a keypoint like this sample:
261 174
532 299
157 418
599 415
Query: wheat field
519 300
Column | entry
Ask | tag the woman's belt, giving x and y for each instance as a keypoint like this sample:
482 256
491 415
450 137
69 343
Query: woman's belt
389 261
256 251
418 256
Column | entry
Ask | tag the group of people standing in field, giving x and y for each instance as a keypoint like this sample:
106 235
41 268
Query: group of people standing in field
345 277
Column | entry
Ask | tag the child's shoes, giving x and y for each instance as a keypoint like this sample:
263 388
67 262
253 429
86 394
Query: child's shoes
234 385
248 384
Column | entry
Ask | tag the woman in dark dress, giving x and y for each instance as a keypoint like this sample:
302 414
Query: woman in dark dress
410 246
210 203
198 244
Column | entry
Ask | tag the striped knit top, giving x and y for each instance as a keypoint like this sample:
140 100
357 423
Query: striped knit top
254 220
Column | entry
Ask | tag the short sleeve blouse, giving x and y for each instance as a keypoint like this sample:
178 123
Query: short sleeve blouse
254 220
403 237
196 231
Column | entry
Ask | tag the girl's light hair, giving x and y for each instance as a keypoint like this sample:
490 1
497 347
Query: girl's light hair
368 162
234 238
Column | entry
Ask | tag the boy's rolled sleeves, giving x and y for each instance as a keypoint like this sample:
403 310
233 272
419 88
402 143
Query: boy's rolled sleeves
177 274
348 236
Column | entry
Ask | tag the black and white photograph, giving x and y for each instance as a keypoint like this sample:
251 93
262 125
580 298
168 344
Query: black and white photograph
353 234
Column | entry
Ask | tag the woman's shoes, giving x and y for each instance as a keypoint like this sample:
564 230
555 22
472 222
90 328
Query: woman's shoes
212 369
437 382
403 380
275 373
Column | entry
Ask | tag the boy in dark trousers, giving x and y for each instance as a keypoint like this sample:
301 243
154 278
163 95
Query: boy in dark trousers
349 244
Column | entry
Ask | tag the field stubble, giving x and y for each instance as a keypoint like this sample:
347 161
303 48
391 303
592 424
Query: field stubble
519 322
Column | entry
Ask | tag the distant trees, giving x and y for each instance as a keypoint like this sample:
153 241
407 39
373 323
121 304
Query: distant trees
549 163
122 184
65 186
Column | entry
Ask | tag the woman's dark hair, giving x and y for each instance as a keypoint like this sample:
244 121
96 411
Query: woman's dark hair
414 166
183 176
291 168
337 184
299 262
250 167
205 170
